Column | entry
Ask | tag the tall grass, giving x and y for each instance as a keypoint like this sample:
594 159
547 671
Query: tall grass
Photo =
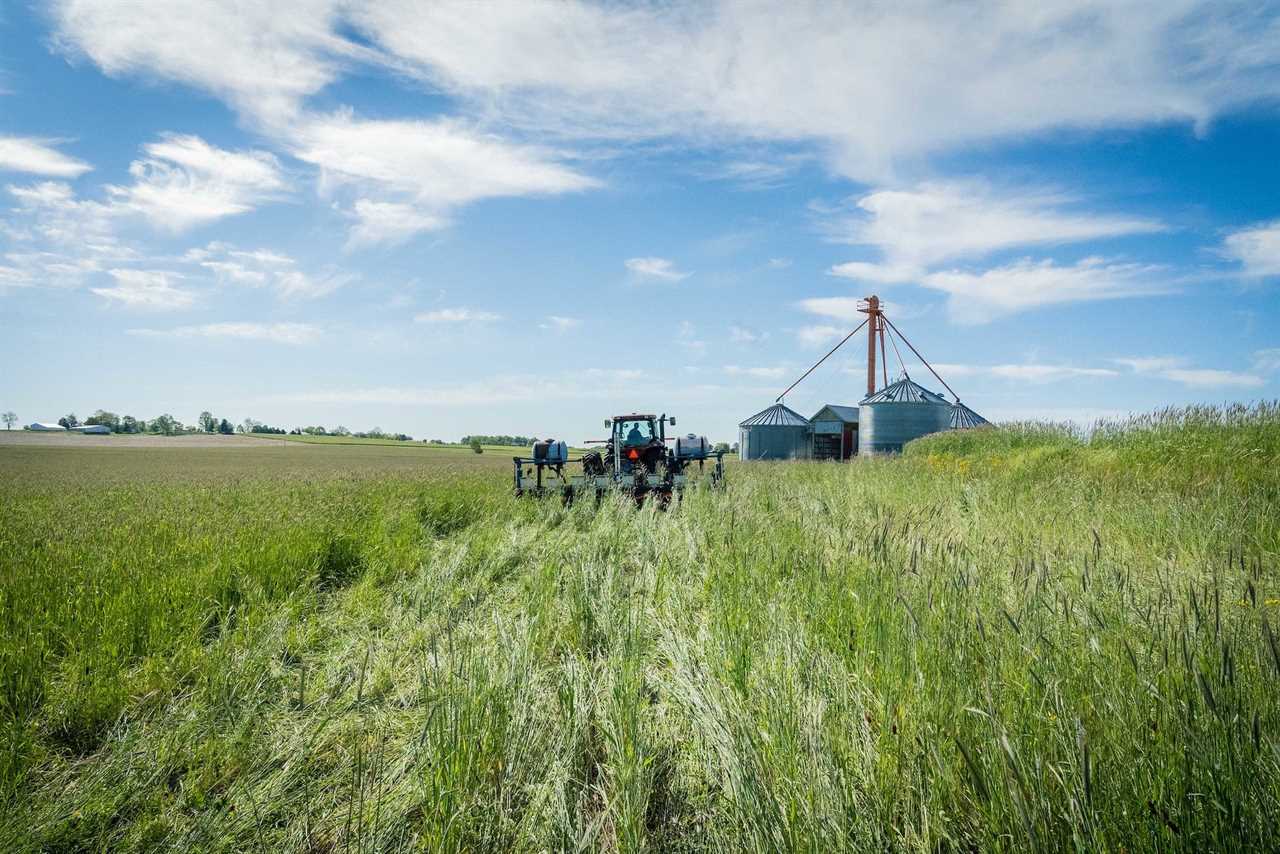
1006 639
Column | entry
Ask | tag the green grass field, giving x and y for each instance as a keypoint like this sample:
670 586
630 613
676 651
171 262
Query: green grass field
1006 639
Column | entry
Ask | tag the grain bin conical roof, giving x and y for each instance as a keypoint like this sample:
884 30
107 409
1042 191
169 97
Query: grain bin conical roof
905 390
962 417
777 415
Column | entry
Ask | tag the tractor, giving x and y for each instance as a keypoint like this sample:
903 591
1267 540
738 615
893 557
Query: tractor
638 458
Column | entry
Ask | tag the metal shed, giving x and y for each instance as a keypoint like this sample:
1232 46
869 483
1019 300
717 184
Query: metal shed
898 413
776 433
835 432
963 418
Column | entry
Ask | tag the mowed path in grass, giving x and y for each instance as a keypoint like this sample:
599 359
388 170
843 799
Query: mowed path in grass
1005 639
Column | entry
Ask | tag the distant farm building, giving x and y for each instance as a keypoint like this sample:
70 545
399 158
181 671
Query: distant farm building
91 428
44 427
776 433
835 432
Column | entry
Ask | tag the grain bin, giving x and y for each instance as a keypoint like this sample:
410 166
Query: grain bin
776 433
964 418
898 413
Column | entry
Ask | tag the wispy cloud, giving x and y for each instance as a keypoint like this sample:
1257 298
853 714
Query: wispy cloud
654 71
918 228
1256 249
38 157
265 267
1026 373
556 323
148 289
183 182
456 315
920 233
760 372
1176 369
411 174
979 297
1267 361
746 335
592 383
280 333
817 335
656 268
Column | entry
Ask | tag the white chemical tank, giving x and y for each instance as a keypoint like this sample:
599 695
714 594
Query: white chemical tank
550 451
691 447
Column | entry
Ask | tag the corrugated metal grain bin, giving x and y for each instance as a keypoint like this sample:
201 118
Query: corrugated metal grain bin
963 418
776 433
898 413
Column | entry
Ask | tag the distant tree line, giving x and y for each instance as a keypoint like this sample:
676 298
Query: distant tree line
207 422
517 441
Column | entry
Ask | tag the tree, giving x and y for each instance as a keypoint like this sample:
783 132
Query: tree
165 425
105 419
208 424
69 420
722 447
225 428
247 426
735 447
10 418
340 431
129 424
475 446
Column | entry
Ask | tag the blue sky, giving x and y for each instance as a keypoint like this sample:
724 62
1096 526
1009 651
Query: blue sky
521 218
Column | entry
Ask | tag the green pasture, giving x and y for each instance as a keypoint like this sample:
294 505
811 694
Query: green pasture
1006 639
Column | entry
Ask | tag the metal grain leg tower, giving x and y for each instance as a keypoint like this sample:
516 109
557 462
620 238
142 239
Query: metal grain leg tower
638 458
903 410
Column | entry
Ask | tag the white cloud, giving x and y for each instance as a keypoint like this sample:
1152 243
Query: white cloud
1256 248
745 335
184 181
1029 373
1267 361
39 157
456 315
556 323
599 383
916 229
390 223
421 170
1211 378
844 75
656 268
779 263
280 333
814 336
293 284
152 289
264 267
50 213
983 296
1151 364
759 372
248 53
1175 369
14 277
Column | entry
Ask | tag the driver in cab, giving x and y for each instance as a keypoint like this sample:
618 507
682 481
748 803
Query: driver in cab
634 436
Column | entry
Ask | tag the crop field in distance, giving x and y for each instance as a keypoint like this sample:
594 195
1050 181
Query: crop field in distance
1005 639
